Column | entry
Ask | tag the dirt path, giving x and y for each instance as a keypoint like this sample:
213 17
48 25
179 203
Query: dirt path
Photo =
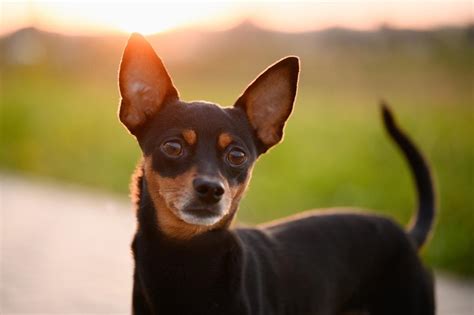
64 250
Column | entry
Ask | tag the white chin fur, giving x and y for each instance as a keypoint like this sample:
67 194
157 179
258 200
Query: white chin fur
196 220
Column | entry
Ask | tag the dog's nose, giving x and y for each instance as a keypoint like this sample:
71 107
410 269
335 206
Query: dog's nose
208 190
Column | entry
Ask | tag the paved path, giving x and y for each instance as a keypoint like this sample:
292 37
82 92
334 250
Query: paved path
65 250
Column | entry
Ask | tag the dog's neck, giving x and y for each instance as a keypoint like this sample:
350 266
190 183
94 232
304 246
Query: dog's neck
146 213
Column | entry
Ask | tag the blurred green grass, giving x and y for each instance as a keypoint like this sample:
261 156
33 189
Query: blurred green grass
59 120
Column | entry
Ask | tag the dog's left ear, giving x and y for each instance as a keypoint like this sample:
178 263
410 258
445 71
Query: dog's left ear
268 101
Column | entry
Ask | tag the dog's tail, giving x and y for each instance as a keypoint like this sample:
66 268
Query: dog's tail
423 221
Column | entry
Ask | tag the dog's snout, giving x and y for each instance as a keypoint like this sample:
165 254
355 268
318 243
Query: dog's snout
208 190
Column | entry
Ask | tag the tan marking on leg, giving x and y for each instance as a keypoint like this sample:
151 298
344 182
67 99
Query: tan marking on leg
190 136
224 140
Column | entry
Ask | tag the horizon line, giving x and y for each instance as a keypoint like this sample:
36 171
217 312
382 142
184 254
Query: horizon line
243 23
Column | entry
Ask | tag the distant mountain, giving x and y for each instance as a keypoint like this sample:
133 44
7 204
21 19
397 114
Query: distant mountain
196 48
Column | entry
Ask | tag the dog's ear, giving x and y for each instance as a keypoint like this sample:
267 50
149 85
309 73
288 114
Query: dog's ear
144 84
268 101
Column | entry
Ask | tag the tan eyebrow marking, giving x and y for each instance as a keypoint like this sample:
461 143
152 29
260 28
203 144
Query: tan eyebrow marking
224 140
190 136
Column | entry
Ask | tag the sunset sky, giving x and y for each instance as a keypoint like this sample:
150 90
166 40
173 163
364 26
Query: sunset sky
95 17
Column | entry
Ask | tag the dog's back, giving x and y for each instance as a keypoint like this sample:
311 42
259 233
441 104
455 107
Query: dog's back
331 262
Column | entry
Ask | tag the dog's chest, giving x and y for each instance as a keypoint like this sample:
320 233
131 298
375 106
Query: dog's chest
199 278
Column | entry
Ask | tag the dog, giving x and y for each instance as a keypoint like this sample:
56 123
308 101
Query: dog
197 162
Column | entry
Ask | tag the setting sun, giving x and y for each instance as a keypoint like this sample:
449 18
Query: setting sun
126 16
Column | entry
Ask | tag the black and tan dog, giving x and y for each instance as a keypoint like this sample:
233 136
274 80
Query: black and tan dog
197 161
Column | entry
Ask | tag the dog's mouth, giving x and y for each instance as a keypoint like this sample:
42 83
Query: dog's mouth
202 212
200 215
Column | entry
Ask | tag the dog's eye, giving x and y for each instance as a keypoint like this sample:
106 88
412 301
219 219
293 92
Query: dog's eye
172 148
236 157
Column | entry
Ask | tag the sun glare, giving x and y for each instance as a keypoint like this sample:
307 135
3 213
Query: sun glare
152 18
79 17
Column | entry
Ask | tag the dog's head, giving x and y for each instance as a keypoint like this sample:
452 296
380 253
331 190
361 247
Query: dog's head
197 155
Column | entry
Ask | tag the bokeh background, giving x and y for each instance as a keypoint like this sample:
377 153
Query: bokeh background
59 98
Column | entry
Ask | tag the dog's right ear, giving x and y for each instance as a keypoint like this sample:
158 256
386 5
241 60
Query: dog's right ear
144 84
